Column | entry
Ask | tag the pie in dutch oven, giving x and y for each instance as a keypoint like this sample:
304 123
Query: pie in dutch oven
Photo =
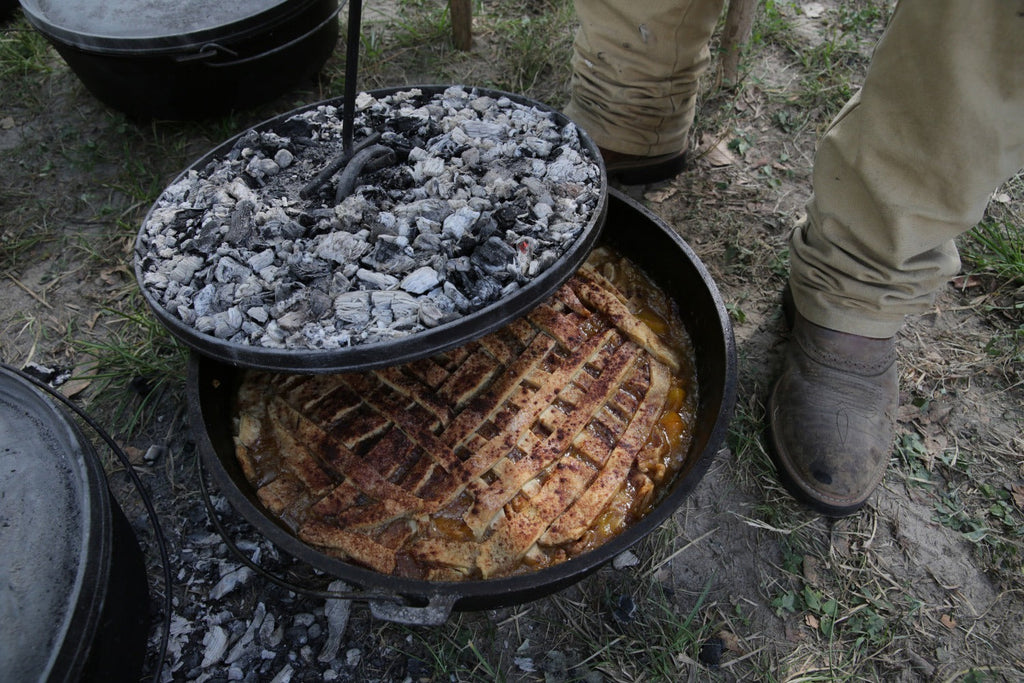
512 453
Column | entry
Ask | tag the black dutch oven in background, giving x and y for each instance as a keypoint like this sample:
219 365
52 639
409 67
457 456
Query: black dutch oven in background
188 59
74 599
658 250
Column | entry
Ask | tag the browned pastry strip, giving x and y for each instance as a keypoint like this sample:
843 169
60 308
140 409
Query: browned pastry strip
354 428
536 403
481 409
371 516
424 478
358 547
412 387
341 498
595 443
294 455
428 371
521 330
567 297
362 473
490 500
577 519
393 455
602 297
502 348
514 535
466 381
310 391
282 494
439 552
564 325
415 426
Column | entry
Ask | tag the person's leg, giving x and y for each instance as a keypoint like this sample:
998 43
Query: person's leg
636 67
909 164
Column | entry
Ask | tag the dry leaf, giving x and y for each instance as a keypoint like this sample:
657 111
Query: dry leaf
965 281
948 621
810 569
135 455
658 196
80 380
1018 494
716 151
7 122
73 387
936 445
731 641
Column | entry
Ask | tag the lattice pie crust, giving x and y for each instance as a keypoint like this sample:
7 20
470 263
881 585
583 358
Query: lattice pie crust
507 454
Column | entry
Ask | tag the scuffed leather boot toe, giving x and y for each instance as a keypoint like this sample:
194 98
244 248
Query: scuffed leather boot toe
832 416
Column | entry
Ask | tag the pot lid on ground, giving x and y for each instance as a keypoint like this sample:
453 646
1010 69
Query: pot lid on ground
55 535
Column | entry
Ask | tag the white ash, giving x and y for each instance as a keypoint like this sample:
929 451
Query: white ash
486 195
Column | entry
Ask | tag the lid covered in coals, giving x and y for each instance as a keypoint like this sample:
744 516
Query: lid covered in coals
56 538
129 25
452 211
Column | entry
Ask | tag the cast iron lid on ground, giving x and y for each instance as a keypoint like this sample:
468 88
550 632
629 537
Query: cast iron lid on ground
128 27
55 534
420 344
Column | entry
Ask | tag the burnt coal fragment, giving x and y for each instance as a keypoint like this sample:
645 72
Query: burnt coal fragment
711 652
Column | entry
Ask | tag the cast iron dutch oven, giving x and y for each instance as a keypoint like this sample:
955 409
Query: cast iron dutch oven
634 232
74 597
187 59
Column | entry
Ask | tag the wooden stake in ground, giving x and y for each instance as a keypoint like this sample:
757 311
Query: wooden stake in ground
739 22
462 23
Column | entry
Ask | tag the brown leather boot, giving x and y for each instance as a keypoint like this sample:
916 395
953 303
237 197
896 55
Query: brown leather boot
832 416
631 169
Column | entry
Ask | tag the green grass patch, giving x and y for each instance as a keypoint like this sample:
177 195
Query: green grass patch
132 365
24 52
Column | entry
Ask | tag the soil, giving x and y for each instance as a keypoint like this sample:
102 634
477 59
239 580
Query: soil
940 574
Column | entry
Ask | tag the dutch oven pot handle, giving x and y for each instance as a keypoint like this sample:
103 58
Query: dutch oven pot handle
435 613
211 50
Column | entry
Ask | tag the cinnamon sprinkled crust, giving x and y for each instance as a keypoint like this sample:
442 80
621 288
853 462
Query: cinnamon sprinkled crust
513 452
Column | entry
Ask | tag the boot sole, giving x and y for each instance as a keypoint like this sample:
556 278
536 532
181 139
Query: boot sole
643 173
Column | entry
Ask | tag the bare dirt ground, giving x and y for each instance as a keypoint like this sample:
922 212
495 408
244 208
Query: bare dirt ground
925 584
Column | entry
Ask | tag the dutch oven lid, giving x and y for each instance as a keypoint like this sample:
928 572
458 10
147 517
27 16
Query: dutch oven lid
144 26
401 349
55 535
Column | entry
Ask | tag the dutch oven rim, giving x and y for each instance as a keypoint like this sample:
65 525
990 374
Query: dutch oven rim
228 34
519 587
374 355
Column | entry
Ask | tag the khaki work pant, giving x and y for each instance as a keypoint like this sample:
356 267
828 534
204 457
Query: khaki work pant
907 165
636 66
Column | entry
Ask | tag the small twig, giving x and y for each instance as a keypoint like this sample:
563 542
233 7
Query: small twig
29 291
683 549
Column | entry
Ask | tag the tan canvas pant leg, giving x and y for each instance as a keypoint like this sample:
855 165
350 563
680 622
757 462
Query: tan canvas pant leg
910 164
636 66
